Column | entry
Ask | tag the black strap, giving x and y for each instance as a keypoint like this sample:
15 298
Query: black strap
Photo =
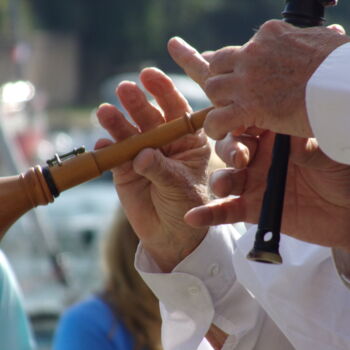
50 182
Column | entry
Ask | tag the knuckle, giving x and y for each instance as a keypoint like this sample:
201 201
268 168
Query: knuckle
225 51
272 26
249 81
223 57
211 86
252 48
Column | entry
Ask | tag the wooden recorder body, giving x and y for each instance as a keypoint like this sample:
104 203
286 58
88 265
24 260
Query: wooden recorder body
40 185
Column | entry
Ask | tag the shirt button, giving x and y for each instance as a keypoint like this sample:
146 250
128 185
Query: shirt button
194 290
214 269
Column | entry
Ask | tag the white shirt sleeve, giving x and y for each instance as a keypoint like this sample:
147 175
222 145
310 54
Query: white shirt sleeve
328 104
203 290
342 263
304 296
328 108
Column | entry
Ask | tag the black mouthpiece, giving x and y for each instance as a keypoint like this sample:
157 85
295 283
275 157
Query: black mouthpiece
306 13
303 13
327 3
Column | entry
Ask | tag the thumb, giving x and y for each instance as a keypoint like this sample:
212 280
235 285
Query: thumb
219 211
154 166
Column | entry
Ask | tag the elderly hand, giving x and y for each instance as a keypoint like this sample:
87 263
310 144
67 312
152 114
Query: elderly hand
159 186
258 90
317 197
262 83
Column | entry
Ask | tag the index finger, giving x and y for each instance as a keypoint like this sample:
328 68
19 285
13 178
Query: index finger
189 59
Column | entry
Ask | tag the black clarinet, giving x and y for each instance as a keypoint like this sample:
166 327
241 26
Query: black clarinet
301 13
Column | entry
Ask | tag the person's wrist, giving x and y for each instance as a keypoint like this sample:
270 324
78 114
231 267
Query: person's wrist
169 254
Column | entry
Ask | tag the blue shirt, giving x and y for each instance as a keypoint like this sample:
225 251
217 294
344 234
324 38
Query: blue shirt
91 325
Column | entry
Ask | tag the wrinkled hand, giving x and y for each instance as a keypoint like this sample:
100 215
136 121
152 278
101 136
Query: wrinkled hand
159 186
262 83
317 197
317 200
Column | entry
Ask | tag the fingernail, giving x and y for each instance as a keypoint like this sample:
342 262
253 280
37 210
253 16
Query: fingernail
104 104
106 111
144 161
178 44
103 108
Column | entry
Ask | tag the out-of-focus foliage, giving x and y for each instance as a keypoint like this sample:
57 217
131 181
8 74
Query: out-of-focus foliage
116 36
2 13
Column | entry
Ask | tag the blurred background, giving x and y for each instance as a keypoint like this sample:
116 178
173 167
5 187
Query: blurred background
60 59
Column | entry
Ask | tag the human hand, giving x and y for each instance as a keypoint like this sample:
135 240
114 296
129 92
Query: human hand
317 195
159 186
262 83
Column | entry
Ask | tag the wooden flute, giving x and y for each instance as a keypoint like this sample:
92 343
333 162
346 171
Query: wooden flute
40 185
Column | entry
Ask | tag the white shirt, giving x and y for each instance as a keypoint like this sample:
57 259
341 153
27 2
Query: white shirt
328 104
303 296
310 305
328 107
